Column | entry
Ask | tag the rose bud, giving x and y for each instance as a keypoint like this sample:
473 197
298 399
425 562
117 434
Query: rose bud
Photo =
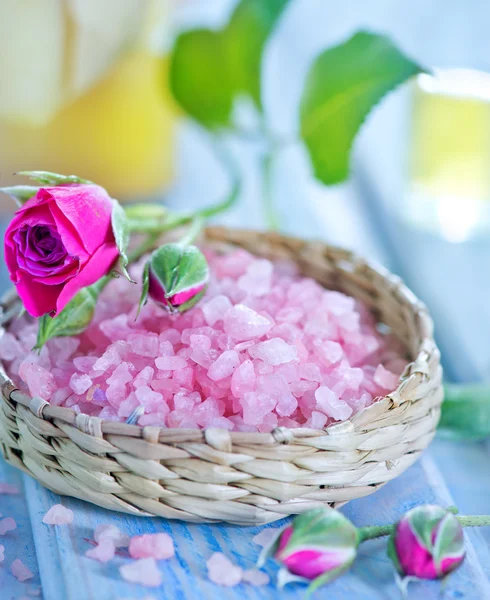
60 241
176 277
427 543
317 547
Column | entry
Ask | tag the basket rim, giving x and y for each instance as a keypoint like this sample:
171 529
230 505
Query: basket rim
412 375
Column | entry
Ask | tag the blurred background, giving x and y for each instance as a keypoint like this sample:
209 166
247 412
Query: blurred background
84 89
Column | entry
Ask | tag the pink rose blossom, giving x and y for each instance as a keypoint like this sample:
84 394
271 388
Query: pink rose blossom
60 241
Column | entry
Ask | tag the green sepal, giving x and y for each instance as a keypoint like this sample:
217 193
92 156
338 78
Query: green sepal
120 229
73 319
342 86
179 267
326 578
270 549
20 193
144 288
392 553
423 520
449 542
48 178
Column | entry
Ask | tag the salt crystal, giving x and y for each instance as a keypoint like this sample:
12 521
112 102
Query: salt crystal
39 381
243 379
331 405
317 420
108 359
222 571
113 533
10 348
20 571
148 398
256 406
144 344
224 365
2 553
80 383
386 379
58 515
143 571
274 352
144 377
7 525
255 577
290 314
310 371
257 279
243 323
170 363
120 375
84 364
9 488
103 552
152 545
215 309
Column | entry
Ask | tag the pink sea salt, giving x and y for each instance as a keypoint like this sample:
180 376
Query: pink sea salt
9 488
2 553
20 571
152 545
6 525
103 552
58 515
265 347
222 571
112 533
255 577
144 571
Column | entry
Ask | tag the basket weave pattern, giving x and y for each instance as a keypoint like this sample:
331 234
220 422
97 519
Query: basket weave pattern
242 478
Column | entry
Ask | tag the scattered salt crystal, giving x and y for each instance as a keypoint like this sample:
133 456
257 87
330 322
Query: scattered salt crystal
274 352
215 309
331 405
152 545
385 379
6 525
113 533
58 515
224 365
2 553
222 571
266 536
9 488
103 552
143 571
20 571
243 323
255 577
80 383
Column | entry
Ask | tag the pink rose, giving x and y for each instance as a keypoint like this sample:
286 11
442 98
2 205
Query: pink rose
59 242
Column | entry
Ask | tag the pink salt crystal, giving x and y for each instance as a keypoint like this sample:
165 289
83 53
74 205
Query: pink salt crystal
256 406
84 364
337 303
170 363
152 545
80 383
58 515
108 359
243 323
148 398
255 577
222 571
257 279
7 525
144 344
120 375
112 533
317 420
310 372
9 488
116 393
224 365
201 341
20 571
103 552
329 403
289 314
266 536
10 348
2 553
144 377
385 379
328 352
39 381
143 571
243 379
274 352
215 309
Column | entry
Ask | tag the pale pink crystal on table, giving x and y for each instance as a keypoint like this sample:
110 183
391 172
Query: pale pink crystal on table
143 571
20 571
152 545
255 577
112 533
222 571
58 515
103 552
6 525
9 488
266 536
2 553
265 347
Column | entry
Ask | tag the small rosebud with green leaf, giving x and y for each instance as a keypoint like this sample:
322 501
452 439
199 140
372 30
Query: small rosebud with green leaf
317 547
427 543
175 277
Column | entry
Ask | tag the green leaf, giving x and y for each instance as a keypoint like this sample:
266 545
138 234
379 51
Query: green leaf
73 319
209 68
20 193
146 217
120 228
179 267
48 178
466 412
343 85
145 287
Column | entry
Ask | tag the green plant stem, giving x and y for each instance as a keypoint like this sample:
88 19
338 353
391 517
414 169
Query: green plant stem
270 214
192 232
144 247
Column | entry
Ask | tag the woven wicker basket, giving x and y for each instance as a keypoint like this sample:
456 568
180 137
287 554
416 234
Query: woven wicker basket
242 478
